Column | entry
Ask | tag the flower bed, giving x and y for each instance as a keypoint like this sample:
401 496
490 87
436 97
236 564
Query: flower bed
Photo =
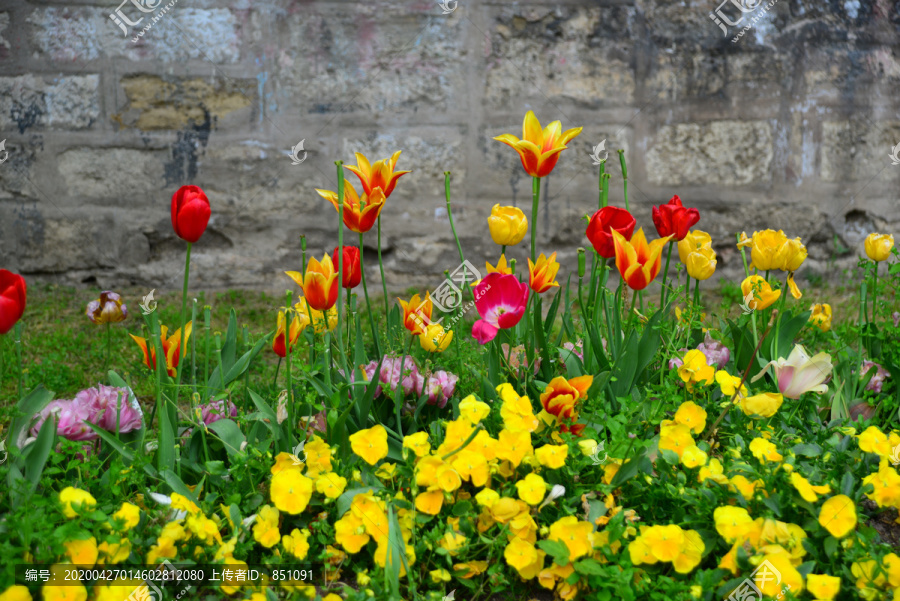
593 447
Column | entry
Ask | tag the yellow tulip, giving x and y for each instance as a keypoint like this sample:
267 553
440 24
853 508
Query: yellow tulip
701 263
542 275
757 292
435 339
791 254
878 246
821 316
508 225
539 148
764 249
695 240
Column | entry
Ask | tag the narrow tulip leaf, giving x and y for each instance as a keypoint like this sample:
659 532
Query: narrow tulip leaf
31 404
165 452
266 413
395 558
178 485
241 365
112 441
39 452
229 348
230 435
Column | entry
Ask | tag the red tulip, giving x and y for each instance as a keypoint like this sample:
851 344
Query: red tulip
352 272
604 221
12 299
674 218
190 213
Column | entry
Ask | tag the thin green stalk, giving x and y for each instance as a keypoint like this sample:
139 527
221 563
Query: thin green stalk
21 388
697 294
875 293
287 356
207 311
459 249
535 201
783 299
340 279
362 268
624 177
381 268
108 342
662 292
179 369
193 347
601 199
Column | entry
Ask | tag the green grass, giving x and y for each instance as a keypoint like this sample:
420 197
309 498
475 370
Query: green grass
66 352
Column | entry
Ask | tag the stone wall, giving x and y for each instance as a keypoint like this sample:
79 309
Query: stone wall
788 126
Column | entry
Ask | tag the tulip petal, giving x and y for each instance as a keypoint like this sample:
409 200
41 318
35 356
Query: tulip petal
296 276
483 331
508 139
531 129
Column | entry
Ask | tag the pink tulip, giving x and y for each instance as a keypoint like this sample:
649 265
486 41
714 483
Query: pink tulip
716 353
501 300
440 388
800 373
213 411
877 381
102 406
412 381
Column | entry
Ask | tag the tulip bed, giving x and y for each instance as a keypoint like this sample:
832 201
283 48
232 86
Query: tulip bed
594 439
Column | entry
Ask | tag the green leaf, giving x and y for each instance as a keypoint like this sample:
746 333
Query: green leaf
230 435
670 457
626 472
589 567
112 441
165 452
267 413
238 369
462 508
39 451
807 450
177 485
555 549
847 484
36 400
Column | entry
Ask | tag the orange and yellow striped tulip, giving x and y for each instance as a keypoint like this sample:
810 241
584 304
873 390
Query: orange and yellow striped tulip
278 345
542 275
638 262
319 283
416 312
359 215
539 148
379 174
170 348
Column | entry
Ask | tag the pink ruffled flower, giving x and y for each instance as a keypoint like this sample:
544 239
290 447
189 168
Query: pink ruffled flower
896 317
877 381
102 406
716 353
213 411
501 300
440 388
390 376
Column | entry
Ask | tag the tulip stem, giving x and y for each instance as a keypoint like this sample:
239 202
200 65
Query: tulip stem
875 293
21 386
383 283
784 293
194 347
362 269
662 292
107 345
600 203
184 291
459 249
535 201
340 266
624 177
287 356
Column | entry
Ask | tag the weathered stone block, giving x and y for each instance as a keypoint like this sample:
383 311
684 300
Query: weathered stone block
722 153
65 102
122 173
859 150
543 54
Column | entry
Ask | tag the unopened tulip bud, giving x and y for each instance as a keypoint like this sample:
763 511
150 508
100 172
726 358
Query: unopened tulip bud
512 266
581 262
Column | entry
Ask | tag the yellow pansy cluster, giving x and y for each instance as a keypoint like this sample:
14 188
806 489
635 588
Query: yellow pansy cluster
667 544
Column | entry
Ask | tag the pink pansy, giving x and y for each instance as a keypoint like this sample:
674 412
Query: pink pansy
877 381
501 300
213 411
440 388
800 373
